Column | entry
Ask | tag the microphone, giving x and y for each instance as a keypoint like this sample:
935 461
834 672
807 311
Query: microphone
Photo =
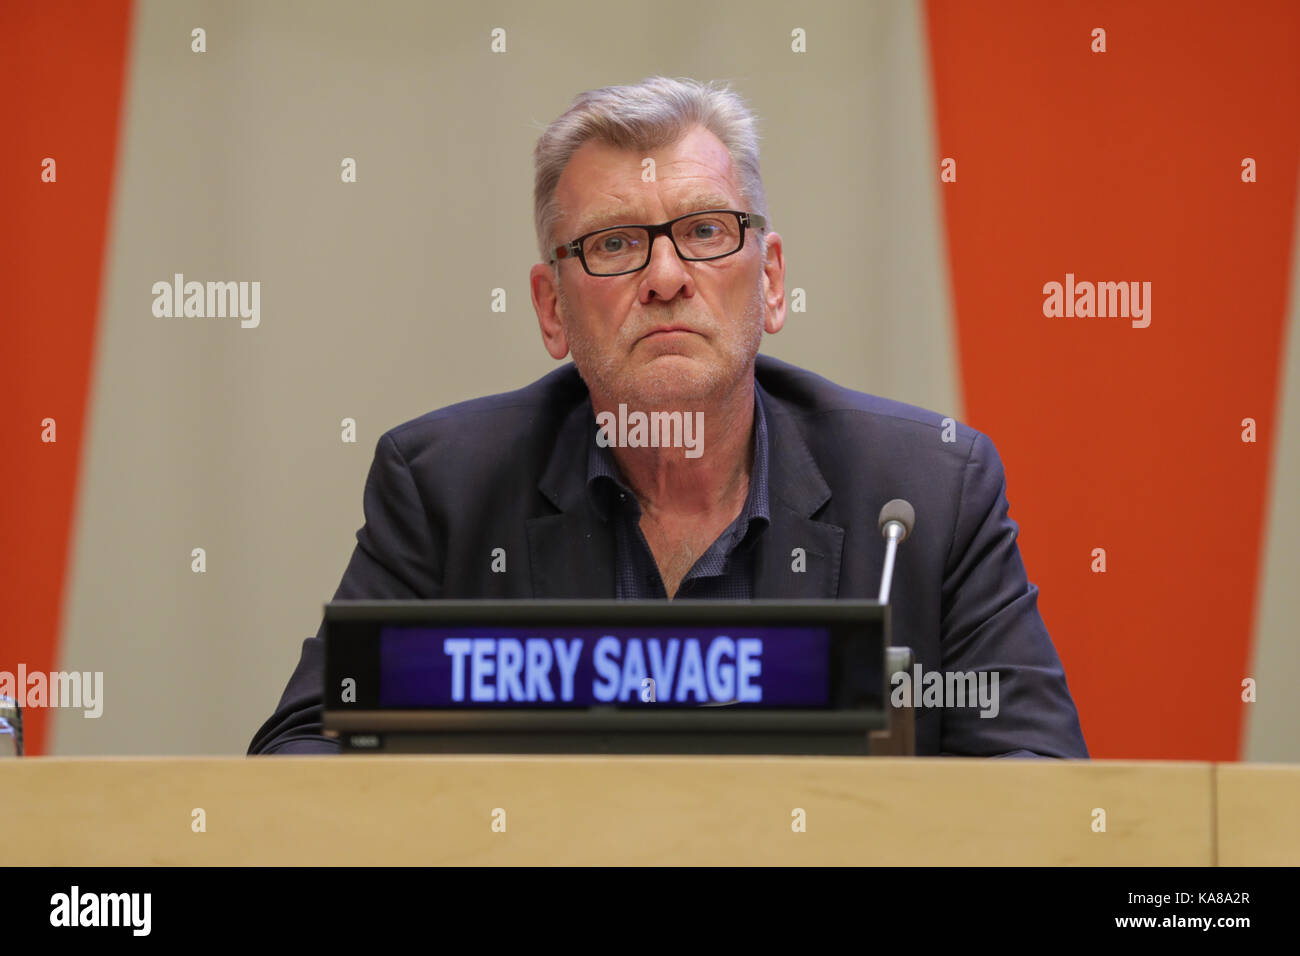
895 522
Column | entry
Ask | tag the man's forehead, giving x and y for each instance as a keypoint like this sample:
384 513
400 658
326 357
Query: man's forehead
605 186
613 212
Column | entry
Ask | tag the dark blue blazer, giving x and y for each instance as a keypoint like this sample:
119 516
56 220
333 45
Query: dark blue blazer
509 471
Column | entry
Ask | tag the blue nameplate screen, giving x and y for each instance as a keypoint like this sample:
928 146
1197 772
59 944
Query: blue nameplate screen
559 667
803 676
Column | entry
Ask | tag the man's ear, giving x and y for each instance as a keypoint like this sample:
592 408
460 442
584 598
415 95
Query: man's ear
546 303
774 285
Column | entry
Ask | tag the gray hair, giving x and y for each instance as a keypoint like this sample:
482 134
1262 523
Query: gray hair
653 113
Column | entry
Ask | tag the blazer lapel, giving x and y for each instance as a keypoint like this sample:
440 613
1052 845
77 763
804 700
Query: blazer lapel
796 490
571 554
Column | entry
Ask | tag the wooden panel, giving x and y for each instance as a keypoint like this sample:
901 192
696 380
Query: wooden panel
601 810
1258 810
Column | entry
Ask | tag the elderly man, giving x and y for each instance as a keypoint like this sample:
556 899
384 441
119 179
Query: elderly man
670 460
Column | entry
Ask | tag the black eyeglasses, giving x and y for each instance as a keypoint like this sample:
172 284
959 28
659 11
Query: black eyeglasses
697 237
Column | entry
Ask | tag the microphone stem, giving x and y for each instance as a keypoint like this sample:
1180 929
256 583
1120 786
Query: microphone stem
893 531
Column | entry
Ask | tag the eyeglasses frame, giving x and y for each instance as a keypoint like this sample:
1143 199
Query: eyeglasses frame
573 248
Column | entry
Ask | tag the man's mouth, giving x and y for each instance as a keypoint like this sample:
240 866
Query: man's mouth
667 330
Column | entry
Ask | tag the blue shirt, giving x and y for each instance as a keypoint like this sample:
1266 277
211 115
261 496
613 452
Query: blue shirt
723 572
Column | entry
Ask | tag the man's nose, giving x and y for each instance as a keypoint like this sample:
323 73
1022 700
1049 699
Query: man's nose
665 275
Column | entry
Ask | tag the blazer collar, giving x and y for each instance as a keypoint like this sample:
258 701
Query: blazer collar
571 553
798 556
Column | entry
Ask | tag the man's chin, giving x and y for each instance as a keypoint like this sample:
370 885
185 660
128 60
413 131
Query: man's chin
673 382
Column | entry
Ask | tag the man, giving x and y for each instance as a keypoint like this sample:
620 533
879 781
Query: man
755 480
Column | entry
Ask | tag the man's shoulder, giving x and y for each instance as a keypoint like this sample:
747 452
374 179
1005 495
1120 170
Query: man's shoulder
528 419
501 420
834 412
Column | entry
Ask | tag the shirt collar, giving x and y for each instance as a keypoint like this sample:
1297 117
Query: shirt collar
607 490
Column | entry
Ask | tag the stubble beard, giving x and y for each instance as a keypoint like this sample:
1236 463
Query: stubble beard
665 384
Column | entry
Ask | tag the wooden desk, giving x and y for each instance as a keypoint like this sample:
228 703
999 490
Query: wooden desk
1258 814
611 810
